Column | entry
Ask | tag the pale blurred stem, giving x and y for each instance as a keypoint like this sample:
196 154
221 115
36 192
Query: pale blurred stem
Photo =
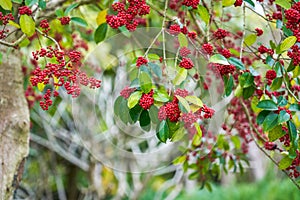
196 23
244 31
50 38
272 31
261 148
258 14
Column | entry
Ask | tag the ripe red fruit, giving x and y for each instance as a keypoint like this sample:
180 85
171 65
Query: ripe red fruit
271 74
147 100
186 63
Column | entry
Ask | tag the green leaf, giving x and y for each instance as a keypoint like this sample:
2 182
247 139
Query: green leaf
145 82
238 91
250 2
30 2
156 69
283 3
134 99
183 41
228 85
153 56
161 97
283 117
276 84
184 103
267 105
218 58
100 33
70 8
276 133
294 137
285 163
59 12
194 100
145 121
178 134
42 4
227 3
125 31
124 111
261 116
1 57
79 21
250 40
236 141
287 43
270 121
27 25
248 92
237 63
153 112
12 23
179 160
294 107
163 131
117 105
17 1
246 80
180 77
135 112
204 14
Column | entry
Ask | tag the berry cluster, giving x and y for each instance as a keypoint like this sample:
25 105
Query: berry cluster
271 74
221 69
4 19
220 34
170 111
295 55
259 32
45 26
64 20
181 92
293 18
60 72
262 49
127 17
25 10
208 48
175 30
186 63
147 100
184 51
126 92
193 3
141 61
226 53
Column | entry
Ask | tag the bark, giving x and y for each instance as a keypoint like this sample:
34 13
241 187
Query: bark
14 122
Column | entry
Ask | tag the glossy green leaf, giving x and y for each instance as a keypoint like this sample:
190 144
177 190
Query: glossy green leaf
294 136
184 103
194 100
27 25
124 111
180 77
248 92
70 8
246 80
285 163
287 43
161 97
276 84
163 131
236 141
59 12
227 3
250 2
30 2
42 4
79 21
145 82
135 112
153 112
153 56
237 63
6 4
261 116
183 41
276 133
267 105
179 160
134 99
145 121
283 117
100 33
17 1
156 69
178 134
270 121
283 3
250 39
228 85
218 58
204 14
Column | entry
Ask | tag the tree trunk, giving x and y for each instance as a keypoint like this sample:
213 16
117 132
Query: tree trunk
14 122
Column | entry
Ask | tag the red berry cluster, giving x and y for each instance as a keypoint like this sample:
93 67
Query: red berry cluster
175 30
184 51
226 53
259 32
238 3
188 119
208 48
45 26
208 112
60 72
127 17
181 92
186 63
222 69
4 19
285 109
147 100
126 92
47 100
64 20
271 74
220 33
193 3
270 146
293 18
262 49
295 55
25 10
141 61
31 96
170 111
293 168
